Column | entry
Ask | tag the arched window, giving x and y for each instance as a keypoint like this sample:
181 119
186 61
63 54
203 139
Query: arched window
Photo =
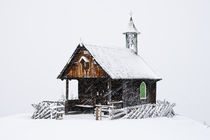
143 91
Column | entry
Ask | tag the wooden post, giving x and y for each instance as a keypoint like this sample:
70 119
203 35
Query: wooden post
67 89
96 113
109 90
67 97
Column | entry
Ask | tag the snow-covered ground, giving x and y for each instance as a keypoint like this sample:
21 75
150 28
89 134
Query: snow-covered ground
76 127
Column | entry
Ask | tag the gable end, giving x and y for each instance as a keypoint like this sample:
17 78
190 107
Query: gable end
82 65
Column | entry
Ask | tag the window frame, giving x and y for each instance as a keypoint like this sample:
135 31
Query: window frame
145 95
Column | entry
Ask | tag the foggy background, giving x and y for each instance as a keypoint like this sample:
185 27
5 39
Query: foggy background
38 37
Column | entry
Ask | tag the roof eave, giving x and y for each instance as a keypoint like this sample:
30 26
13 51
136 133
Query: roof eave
137 32
156 79
60 76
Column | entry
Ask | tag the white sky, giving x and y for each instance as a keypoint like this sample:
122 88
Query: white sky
38 37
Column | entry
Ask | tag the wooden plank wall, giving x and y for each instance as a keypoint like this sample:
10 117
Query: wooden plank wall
76 69
131 92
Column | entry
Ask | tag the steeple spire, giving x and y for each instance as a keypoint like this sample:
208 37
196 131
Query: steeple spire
131 36
132 27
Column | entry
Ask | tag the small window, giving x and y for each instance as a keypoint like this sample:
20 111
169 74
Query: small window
86 52
143 91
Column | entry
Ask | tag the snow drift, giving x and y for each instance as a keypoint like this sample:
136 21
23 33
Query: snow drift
84 127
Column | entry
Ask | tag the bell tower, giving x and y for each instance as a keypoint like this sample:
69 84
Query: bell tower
131 36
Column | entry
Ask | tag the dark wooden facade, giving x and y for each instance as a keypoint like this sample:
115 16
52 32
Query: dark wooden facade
97 87
131 92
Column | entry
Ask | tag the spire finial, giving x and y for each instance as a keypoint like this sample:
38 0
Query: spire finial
80 41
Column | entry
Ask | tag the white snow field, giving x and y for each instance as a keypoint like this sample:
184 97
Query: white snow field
83 127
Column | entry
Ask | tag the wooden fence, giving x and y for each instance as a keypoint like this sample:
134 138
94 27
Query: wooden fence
160 109
48 110
55 110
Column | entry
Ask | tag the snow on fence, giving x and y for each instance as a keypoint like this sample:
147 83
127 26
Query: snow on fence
48 110
160 109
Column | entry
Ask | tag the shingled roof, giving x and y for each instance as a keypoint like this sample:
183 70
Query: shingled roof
119 63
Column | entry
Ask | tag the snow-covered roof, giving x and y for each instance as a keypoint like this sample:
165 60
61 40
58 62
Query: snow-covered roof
131 27
121 63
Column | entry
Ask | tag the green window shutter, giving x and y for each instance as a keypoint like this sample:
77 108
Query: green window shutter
143 90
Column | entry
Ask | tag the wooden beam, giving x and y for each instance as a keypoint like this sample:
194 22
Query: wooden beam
109 90
67 97
67 89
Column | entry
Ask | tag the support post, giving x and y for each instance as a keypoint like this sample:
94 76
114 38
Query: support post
67 97
109 90
67 89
